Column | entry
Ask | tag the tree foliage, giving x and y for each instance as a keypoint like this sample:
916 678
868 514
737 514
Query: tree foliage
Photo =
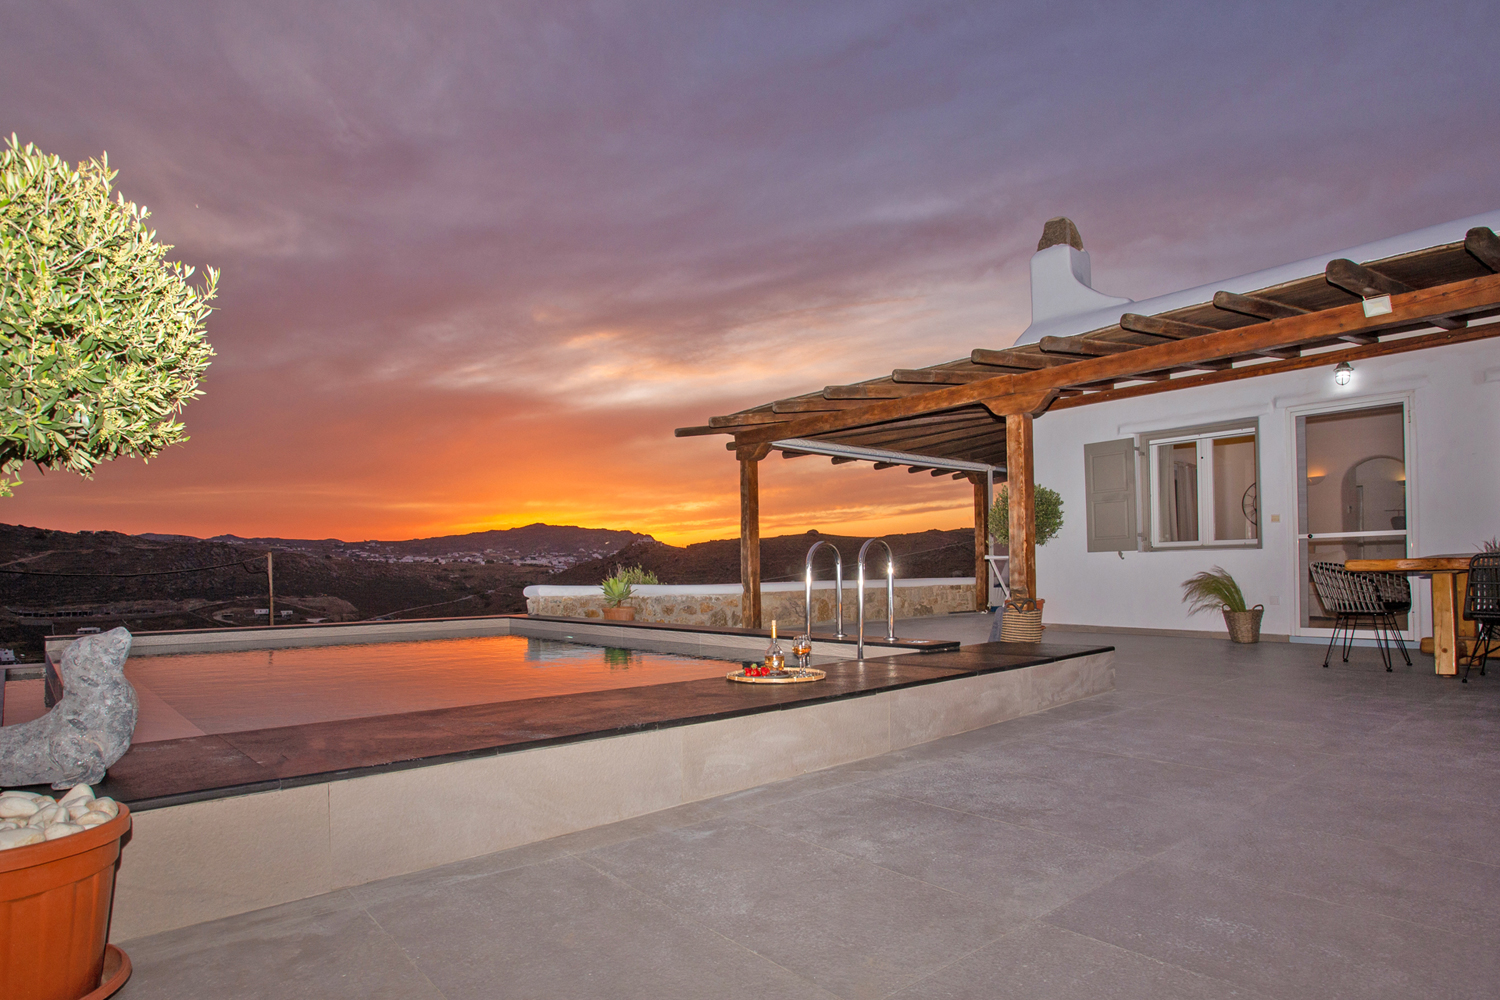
1049 514
101 337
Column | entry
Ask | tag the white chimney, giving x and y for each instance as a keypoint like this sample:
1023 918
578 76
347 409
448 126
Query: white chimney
1061 284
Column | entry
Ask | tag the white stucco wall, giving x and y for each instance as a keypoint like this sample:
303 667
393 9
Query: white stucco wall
1453 473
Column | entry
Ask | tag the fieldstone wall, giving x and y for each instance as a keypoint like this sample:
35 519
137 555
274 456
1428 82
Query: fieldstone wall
722 610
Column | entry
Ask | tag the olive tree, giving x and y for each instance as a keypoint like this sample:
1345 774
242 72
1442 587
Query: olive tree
101 337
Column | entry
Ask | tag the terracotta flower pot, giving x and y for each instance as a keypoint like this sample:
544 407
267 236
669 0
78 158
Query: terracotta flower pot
54 916
623 613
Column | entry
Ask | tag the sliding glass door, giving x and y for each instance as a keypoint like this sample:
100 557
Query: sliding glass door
1352 494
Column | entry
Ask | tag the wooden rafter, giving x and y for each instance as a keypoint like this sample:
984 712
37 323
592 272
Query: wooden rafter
1484 246
1357 279
941 376
1015 358
1474 295
871 390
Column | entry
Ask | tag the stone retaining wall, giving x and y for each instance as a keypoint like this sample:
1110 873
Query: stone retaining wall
718 605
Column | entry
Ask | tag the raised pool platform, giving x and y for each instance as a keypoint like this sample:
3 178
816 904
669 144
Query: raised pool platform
238 821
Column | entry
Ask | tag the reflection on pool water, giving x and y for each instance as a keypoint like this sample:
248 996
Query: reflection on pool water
192 694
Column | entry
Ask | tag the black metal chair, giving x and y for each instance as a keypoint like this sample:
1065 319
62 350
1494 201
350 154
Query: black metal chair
1352 596
1395 594
1482 606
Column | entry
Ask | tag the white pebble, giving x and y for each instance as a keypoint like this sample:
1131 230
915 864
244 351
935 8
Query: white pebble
78 793
89 819
20 838
28 795
9 824
57 830
13 806
77 809
106 805
48 814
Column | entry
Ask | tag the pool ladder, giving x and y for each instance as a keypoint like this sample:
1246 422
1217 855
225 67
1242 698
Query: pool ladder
838 575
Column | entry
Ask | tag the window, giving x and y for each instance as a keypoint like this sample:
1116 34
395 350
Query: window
1202 487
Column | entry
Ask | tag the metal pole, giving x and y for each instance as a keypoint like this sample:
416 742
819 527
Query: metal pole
838 575
271 586
859 598
890 595
838 586
807 619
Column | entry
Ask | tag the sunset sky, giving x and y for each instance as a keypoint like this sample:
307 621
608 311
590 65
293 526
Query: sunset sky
479 259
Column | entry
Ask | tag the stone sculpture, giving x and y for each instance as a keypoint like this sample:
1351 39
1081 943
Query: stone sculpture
87 731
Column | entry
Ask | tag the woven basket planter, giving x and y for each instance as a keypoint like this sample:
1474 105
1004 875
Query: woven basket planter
54 916
1022 621
1244 626
624 613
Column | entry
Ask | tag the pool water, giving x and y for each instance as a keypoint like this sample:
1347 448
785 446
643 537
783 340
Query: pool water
193 694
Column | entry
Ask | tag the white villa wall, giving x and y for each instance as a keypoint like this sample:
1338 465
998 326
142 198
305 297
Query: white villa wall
1453 395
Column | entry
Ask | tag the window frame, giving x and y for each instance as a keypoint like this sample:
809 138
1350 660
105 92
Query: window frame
1148 476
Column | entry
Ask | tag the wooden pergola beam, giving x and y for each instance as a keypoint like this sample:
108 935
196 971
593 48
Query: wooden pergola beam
981 542
1161 326
937 436
1020 484
812 404
886 390
1357 279
1461 297
1484 246
1087 346
939 376
745 419
1015 359
1257 306
750 457
1326 359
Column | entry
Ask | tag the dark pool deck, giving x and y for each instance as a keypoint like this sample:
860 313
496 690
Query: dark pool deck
170 772
1231 822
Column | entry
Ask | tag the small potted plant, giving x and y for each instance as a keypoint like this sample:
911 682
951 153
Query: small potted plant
1021 619
617 591
619 588
1216 589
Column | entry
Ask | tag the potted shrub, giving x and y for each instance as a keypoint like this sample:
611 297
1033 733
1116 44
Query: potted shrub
619 588
1216 589
616 592
1021 619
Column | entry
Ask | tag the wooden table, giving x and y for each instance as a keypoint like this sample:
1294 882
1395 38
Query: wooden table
1450 575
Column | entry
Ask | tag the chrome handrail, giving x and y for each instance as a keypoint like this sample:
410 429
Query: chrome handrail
838 576
890 593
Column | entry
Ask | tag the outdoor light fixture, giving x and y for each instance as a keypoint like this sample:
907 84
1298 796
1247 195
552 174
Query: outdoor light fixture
1343 373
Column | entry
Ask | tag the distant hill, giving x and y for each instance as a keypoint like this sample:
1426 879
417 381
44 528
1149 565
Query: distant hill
556 546
58 581
783 557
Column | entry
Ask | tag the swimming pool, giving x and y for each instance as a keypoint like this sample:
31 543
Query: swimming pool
197 694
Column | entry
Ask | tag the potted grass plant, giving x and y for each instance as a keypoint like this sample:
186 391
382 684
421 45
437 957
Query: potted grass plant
1216 590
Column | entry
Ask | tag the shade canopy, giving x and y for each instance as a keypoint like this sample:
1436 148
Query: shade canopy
953 412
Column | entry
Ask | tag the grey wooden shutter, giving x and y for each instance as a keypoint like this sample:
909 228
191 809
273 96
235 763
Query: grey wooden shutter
1109 481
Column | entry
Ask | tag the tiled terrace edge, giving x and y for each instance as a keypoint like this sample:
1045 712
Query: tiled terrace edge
199 861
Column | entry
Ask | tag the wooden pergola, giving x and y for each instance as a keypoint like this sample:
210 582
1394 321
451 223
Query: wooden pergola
972 418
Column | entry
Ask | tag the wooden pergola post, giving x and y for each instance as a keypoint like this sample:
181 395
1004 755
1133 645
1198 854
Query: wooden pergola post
1019 475
981 541
750 457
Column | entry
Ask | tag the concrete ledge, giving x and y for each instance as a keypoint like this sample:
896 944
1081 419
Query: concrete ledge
275 637
199 861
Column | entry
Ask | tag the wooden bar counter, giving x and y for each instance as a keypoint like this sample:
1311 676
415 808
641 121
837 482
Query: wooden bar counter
1450 575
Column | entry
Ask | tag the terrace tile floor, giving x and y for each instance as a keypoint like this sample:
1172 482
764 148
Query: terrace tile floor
1232 821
